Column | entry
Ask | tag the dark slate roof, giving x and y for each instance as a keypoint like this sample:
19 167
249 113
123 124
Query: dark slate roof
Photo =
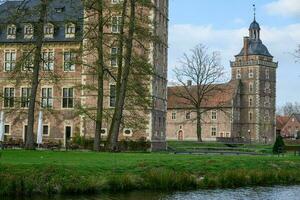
23 12
254 25
256 47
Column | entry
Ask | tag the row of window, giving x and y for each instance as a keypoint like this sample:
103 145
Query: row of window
267 101
48 60
188 115
68 97
70 30
46 97
128 132
251 73
45 130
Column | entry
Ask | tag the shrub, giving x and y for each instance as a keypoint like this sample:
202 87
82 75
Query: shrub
279 145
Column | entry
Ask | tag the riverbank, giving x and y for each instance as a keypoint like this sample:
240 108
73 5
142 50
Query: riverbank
39 172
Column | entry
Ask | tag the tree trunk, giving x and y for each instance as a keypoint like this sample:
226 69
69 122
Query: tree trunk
100 70
39 33
199 129
118 112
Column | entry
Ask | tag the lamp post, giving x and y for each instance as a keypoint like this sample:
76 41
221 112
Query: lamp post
249 132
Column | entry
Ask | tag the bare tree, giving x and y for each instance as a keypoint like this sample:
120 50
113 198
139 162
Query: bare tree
297 53
198 74
289 108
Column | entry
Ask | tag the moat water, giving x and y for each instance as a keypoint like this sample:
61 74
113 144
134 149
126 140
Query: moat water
257 193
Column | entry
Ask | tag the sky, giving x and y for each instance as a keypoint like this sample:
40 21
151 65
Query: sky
221 26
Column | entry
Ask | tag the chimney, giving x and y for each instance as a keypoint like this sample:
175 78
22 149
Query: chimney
189 83
246 47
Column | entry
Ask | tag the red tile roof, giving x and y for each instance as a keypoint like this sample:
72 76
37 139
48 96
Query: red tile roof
220 96
281 121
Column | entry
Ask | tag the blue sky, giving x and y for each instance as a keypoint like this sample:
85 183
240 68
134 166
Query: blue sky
221 25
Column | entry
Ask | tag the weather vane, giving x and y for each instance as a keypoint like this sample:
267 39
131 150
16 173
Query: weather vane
254 11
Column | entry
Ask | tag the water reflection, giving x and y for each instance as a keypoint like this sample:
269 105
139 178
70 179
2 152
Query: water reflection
265 193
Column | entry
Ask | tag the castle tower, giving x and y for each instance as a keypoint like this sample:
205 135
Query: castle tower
256 70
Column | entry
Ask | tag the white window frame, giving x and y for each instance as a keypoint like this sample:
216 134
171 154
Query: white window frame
214 131
11 31
48 59
49 99
104 134
70 30
9 128
48 30
214 115
21 97
71 61
114 57
11 61
13 98
28 31
46 124
115 27
27 61
174 115
62 97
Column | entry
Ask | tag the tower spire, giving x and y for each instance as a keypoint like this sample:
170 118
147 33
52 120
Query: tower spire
254 11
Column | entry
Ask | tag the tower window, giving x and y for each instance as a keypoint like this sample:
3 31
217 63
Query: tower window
250 101
250 116
267 74
267 101
267 87
251 89
238 74
251 74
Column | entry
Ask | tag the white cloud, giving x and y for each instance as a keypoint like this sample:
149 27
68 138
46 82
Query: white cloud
281 41
287 8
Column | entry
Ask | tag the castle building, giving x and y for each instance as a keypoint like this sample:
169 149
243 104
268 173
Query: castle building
246 106
63 36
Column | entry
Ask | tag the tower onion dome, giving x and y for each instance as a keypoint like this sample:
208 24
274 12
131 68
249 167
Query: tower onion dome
253 44
254 25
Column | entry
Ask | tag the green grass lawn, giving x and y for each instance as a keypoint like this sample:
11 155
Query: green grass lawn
79 172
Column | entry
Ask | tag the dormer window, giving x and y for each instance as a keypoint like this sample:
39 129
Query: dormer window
11 31
48 30
70 30
60 10
28 31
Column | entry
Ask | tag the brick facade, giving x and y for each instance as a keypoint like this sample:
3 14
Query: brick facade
59 118
251 113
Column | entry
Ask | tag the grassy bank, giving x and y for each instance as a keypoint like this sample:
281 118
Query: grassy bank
37 172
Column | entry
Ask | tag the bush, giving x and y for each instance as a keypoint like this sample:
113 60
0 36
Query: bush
129 145
279 145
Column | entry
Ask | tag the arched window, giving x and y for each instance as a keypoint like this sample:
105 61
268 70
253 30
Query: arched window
11 31
70 30
28 31
48 30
